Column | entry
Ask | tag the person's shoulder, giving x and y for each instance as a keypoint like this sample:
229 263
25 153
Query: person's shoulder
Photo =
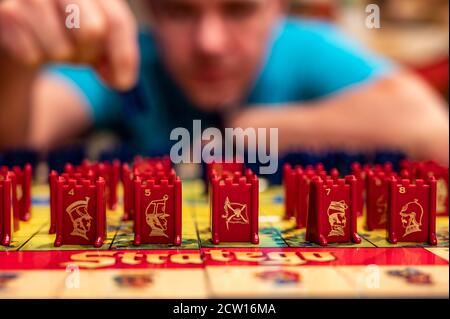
303 29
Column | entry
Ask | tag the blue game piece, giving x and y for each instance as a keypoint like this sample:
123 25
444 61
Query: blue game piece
21 157
59 157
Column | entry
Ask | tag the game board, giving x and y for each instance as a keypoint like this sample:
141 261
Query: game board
281 265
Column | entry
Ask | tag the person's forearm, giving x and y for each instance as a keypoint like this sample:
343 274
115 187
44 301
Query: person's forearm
15 91
399 114
395 114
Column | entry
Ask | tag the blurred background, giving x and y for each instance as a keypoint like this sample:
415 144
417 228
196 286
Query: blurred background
413 33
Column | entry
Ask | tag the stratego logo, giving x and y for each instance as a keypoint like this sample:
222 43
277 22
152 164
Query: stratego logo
213 257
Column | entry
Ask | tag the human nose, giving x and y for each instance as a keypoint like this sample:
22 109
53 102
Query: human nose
211 35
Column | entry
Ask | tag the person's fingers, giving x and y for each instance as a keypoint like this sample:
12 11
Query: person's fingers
35 31
15 37
121 65
42 19
89 38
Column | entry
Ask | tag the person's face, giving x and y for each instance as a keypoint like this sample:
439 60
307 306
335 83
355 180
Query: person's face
214 48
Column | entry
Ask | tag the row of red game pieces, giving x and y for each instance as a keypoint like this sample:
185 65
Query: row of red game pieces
405 204
15 200
152 199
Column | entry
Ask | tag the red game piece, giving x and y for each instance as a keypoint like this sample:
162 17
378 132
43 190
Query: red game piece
224 168
423 170
290 190
377 194
144 164
80 212
158 211
128 192
16 208
23 190
296 190
53 181
234 208
332 211
377 199
360 173
410 167
110 172
5 211
412 210
144 168
440 173
128 177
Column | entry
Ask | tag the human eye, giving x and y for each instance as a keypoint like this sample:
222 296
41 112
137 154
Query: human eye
240 9
177 10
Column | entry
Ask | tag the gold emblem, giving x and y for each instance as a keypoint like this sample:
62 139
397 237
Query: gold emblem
81 220
19 192
156 217
336 218
411 216
235 213
381 205
442 193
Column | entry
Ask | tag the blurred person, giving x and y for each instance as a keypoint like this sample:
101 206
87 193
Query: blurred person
241 63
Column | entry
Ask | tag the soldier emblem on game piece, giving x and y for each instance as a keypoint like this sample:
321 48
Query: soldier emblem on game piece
411 216
156 217
81 220
235 213
336 218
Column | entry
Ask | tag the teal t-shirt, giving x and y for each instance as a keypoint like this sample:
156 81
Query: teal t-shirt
306 60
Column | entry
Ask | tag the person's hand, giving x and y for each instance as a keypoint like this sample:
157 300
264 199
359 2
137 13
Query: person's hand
34 32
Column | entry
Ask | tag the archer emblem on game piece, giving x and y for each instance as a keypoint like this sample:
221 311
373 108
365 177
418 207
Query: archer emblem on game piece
234 200
235 213
81 220
156 217
336 218
411 216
